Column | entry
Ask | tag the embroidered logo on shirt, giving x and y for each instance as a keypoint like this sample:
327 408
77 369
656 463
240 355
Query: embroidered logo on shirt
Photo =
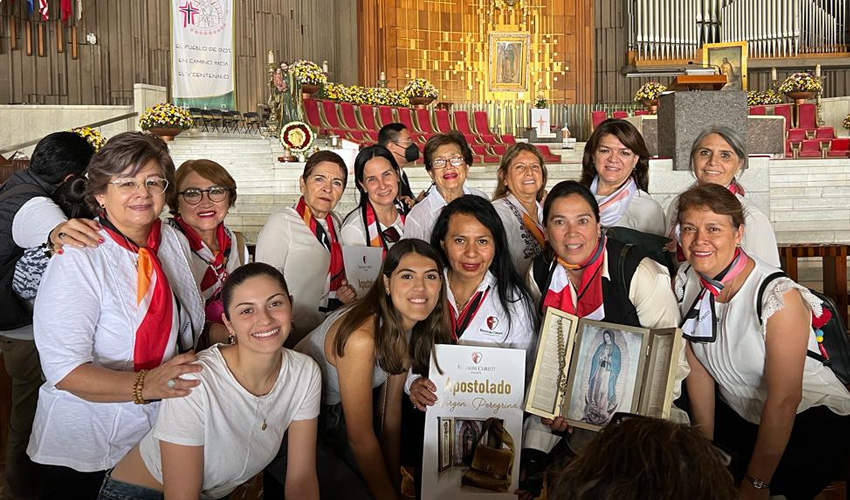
492 322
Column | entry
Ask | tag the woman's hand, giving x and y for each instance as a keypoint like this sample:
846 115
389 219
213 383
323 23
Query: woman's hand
346 293
164 381
77 233
423 393
749 492
559 424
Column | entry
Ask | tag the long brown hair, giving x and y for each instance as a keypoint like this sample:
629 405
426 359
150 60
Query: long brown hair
376 308
626 133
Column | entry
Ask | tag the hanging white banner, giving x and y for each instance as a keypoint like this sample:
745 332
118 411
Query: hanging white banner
202 72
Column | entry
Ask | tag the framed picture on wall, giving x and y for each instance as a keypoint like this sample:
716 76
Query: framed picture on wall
731 59
508 68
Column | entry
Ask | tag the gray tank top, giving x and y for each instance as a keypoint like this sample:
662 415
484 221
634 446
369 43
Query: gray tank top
313 345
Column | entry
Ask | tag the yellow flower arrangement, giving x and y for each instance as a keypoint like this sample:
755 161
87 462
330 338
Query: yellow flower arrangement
92 135
801 82
420 87
308 72
356 94
165 115
649 91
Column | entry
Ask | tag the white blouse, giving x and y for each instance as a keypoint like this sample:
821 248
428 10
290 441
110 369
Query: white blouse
286 243
521 243
643 214
736 358
353 232
421 219
86 312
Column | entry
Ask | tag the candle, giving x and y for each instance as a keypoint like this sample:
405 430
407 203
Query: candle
773 74
383 76
817 70
324 67
271 57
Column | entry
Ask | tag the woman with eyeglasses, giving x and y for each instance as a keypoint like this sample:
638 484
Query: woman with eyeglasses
447 160
111 321
205 192
303 242
378 220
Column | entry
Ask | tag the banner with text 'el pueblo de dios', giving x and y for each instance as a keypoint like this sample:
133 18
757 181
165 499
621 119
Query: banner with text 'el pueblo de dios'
202 72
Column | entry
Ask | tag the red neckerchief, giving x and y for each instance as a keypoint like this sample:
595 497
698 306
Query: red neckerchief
216 271
328 239
589 292
153 297
376 237
462 320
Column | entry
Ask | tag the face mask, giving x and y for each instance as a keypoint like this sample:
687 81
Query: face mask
411 153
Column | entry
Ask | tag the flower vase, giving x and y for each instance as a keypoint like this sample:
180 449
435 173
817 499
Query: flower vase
651 105
799 97
166 133
308 89
421 102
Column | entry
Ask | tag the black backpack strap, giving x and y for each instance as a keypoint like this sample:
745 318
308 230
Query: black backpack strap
621 267
760 295
541 272
628 259
759 308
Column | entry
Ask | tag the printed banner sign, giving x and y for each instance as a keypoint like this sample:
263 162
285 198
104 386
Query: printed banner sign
473 434
202 61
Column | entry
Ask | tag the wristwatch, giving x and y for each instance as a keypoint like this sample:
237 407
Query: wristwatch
756 482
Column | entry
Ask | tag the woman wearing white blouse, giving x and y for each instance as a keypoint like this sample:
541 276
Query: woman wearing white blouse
615 167
303 242
520 188
377 221
758 383
447 160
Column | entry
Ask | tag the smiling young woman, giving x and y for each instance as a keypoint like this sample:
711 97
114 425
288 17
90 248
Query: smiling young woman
231 426
735 345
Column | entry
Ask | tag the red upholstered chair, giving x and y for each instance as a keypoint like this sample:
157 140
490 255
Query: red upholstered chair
810 148
472 139
796 136
620 115
789 150
311 109
423 120
499 149
641 112
481 127
349 119
462 124
758 110
784 110
808 117
331 117
367 116
373 135
547 154
508 139
443 121
598 117
481 151
385 113
838 148
825 134
405 117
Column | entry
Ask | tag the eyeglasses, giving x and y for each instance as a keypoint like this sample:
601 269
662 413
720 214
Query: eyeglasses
193 196
154 185
454 161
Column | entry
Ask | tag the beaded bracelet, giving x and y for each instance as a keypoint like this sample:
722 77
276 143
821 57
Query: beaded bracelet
137 388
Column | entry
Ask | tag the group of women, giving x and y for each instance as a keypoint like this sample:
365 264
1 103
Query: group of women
329 415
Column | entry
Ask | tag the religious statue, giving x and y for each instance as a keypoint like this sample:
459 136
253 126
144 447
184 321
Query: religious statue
283 99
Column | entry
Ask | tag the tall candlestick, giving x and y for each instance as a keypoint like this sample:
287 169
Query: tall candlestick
325 67
773 74
271 57
817 70
383 76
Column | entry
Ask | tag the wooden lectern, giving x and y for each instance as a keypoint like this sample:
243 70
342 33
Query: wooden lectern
698 82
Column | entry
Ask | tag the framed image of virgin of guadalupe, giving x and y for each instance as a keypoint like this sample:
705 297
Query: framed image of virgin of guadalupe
508 68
